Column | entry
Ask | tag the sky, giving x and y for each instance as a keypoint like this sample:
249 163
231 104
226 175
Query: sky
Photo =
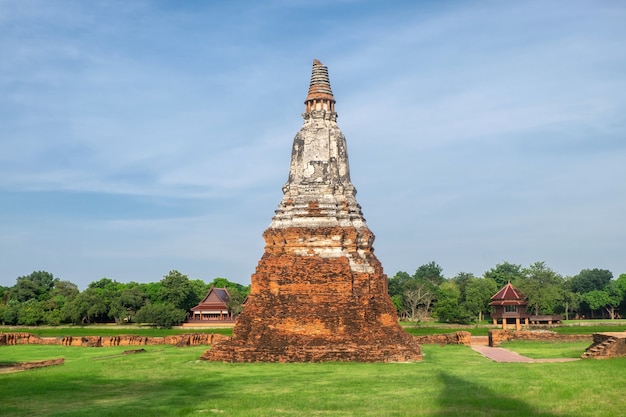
142 137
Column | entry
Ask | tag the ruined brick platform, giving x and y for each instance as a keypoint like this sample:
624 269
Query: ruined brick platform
312 309
606 345
318 293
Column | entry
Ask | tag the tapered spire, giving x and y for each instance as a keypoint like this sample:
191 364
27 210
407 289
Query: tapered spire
320 95
318 190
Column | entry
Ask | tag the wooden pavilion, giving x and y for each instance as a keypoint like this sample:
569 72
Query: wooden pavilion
509 307
212 308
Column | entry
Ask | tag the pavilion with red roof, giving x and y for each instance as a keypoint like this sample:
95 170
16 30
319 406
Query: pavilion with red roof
213 308
508 307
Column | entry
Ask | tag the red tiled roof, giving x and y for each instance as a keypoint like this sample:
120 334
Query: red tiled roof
215 298
508 295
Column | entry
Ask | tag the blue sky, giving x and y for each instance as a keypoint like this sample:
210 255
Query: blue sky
145 136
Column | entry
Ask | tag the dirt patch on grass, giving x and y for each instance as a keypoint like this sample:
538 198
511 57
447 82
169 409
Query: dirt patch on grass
6 368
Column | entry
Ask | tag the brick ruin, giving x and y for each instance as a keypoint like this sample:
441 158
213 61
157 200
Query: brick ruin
189 339
606 345
318 293
496 336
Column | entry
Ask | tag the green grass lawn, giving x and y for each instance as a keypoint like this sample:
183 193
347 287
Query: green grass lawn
540 349
589 329
169 381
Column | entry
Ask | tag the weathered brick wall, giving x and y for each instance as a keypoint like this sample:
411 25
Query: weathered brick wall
190 339
496 337
456 338
316 308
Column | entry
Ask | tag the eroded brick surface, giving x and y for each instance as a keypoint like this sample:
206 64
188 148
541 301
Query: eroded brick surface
190 339
314 308
496 337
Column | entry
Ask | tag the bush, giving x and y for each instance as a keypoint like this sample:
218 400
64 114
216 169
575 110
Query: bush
161 315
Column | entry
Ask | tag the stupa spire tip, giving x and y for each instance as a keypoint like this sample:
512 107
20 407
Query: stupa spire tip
320 96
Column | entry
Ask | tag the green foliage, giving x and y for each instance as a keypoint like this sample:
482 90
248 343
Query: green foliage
478 293
39 298
590 279
31 312
10 312
418 292
608 298
178 290
430 273
447 308
35 286
130 298
542 287
503 273
163 315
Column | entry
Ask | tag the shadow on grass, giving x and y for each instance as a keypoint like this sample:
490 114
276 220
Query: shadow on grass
460 397
96 396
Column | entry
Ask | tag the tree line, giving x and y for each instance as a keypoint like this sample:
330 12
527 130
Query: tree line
465 298
40 298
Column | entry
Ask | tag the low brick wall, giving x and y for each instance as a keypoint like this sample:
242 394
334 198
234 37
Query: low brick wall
496 337
456 338
191 339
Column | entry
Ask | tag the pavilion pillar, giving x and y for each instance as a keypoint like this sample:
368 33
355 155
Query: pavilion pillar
518 325
503 324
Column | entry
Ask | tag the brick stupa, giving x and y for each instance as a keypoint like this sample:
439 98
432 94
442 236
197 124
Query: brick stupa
318 293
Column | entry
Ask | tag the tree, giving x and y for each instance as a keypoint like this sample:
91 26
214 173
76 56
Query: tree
396 284
478 293
621 283
86 307
461 280
447 308
4 294
31 312
11 312
129 300
571 300
153 290
542 287
162 315
66 289
590 279
414 297
608 298
503 273
176 289
220 282
431 273
235 303
36 286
